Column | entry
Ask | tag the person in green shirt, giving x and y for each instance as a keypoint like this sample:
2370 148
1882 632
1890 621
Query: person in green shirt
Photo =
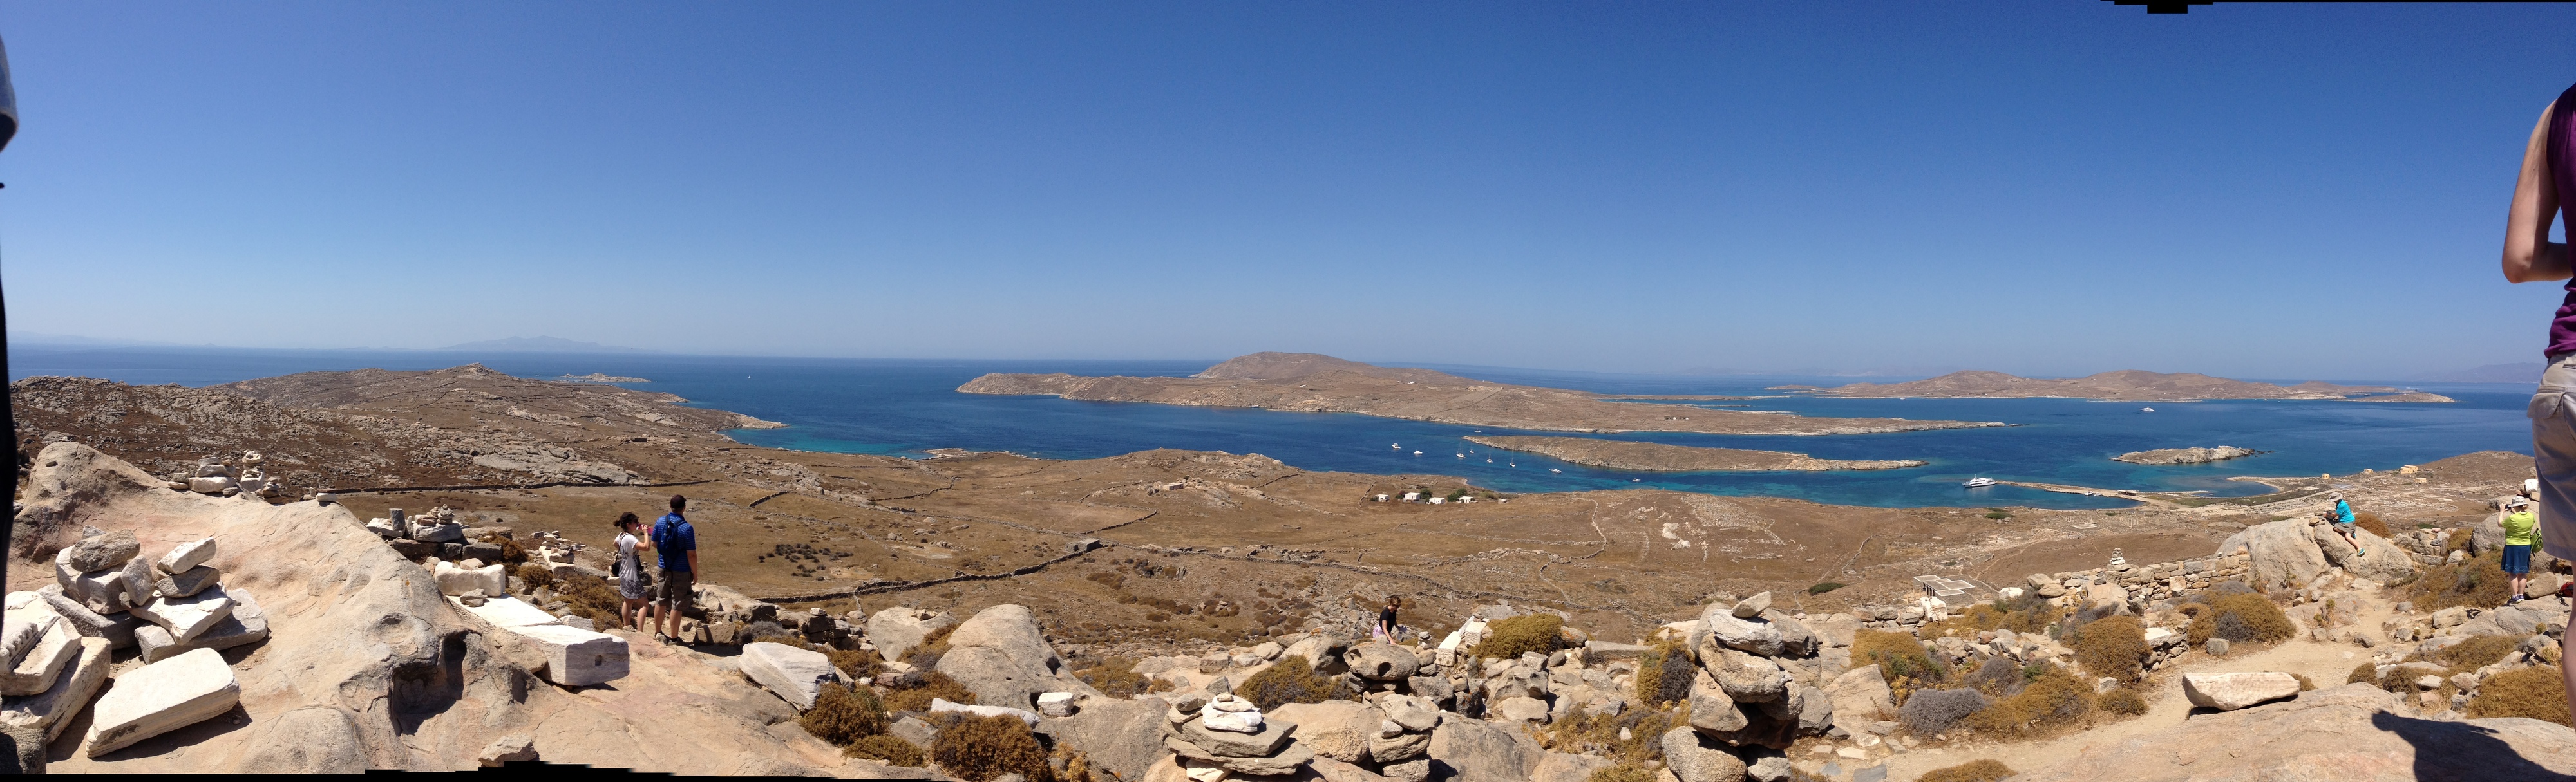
2521 535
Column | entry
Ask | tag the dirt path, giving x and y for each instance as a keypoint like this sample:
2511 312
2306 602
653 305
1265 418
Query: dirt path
2326 664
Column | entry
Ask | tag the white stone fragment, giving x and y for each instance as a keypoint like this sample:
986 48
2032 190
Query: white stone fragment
1055 704
188 617
162 697
796 675
938 705
247 625
577 657
52 709
455 580
507 612
37 671
187 555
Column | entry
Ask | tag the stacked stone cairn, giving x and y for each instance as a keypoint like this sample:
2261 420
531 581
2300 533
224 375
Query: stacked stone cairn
1223 735
1743 700
435 534
212 476
59 640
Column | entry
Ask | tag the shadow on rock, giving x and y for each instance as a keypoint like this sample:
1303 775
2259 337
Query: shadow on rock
2448 751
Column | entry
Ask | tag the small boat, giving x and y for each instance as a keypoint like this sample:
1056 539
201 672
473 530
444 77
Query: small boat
1397 446
1417 453
1978 482
2146 409
1489 461
1462 456
1552 469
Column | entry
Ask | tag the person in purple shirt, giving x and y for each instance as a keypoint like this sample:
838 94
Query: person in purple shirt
2549 174
676 544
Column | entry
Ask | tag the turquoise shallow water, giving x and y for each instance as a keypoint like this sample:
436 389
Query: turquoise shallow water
907 407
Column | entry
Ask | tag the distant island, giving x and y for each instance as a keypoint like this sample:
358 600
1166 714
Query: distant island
1658 457
601 377
539 345
2123 386
1317 383
2162 456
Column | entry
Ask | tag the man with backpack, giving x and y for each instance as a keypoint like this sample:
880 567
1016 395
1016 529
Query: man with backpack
675 543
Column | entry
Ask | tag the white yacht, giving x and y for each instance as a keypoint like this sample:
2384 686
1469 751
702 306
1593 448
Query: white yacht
2146 409
1978 482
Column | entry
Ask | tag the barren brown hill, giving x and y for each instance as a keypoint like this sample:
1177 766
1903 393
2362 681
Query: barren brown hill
1658 457
1323 384
2130 385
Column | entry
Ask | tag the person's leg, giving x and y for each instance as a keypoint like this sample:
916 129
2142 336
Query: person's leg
2553 448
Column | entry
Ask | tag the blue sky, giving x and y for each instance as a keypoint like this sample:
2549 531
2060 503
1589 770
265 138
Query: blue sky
2266 190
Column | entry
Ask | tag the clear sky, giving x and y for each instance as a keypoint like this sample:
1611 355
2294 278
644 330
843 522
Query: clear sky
2061 187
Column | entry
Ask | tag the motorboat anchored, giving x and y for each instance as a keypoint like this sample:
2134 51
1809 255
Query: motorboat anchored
1978 482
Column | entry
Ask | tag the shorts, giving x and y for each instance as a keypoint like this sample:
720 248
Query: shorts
673 587
2553 448
2517 559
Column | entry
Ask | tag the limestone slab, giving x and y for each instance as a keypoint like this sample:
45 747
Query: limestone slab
1274 733
117 628
796 675
188 617
507 612
938 705
187 555
247 625
37 672
51 710
2232 691
162 697
455 580
100 552
21 630
186 583
577 657
103 591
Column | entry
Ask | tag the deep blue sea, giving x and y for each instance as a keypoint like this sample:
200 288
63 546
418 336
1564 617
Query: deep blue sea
907 407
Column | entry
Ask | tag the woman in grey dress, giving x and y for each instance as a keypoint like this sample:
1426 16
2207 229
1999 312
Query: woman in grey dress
630 569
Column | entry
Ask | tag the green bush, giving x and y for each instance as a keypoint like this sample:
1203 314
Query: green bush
841 716
2114 646
1823 588
1290 680
1509 638
1971 771
977 749
928 685
893 751
2538 692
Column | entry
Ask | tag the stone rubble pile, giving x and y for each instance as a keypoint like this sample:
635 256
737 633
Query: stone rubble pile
58 641
1216 737
212 476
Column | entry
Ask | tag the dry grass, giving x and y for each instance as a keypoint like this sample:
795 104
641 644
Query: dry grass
1582 731
1509 638
1906 664
931 684
977 749
593 598
842 715
2055 701
2123 701
2242 618
933 646
1664 674
2115 647
2538 692
535 575
2370 521
893 751
1624 772
1290 680
1971 771
1115 677
2478 581
2478 652
1934 711
2028 614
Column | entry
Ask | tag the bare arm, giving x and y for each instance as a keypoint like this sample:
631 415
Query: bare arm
2529 256
694 572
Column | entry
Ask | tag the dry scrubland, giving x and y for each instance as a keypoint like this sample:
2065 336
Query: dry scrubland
1213 554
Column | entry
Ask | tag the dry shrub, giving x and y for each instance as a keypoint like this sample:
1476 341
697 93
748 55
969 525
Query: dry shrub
593 598
1290 680
1077 766
1934 711
2026 614
933 646
2538 692
977 749
841 716
925 685
2122 701
1115 677
2244 618
2304 684
2478 581
1998 677
2365 672
1664 674
535 575
2056 699
1584 731
1906 664
2370 521
2458 540
2478 651
1624 772
2114 646
1971 771
1509 638
893 751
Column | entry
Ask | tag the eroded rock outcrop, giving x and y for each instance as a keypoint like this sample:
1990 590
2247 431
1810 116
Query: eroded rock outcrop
2351 733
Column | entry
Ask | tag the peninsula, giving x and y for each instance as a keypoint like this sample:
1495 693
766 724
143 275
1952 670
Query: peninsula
1658 457
2130 385
1322 384
2163 456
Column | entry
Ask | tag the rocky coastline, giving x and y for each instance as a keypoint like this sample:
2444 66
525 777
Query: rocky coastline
1658 457
2170 456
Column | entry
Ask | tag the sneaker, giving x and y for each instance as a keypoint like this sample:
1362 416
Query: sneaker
2513 600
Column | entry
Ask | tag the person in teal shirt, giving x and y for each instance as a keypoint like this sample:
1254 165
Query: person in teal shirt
2521 535
2345 525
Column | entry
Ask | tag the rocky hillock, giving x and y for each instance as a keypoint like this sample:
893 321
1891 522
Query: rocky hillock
2162 456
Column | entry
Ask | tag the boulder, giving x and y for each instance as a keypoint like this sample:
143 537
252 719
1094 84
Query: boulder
101 591
455 580
1772 768
513 748
185 583
187 555
2232 691
2349 733
2280 551
1264 742
1744 677
161 697
2106 599
580 658
1720 626
1322 650
1120 735
896 631
1815 712
1752 606
796 675
1525 710
100 552
1796 638
117 628
1711 709
938 705
1398 746
1566 767
1380 662
1862 694
999 655
2378 560
50 711
1695 758
1480 751
37 672
439 533
247 624
140 581
1288 761
1335 729
1055 704
187 617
